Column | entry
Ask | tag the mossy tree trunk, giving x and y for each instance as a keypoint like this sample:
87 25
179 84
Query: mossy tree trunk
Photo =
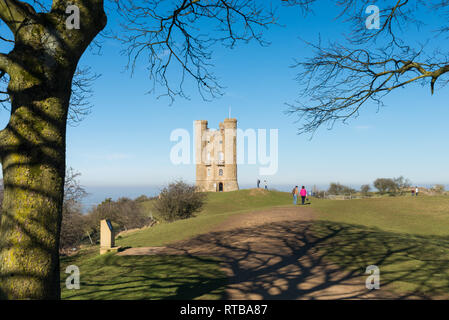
32 146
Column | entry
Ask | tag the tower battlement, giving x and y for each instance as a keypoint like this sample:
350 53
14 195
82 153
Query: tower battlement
216 156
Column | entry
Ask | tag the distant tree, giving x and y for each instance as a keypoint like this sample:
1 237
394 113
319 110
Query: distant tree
402 184
392 186
142 198
124 214
339 189
385 185
179 200
73 222
364 189
132 214
438 188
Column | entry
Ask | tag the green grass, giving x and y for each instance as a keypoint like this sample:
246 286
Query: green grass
414 215
112 277
164 277
244 200
407 238
219 207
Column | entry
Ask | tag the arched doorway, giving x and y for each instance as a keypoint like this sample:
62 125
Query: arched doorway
220 187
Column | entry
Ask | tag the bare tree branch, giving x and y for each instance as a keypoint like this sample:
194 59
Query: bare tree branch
178 37
341 78
80 105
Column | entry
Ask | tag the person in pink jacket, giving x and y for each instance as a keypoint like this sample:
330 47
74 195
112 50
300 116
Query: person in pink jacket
303 194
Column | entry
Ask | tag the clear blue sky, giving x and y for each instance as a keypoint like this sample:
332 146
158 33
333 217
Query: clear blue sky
125 141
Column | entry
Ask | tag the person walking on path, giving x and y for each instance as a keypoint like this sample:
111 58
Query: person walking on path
416 191
303 194
295 195
266 185
258 183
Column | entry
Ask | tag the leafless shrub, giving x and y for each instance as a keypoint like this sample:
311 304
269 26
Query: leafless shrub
336 188
385 185
73 222
392 186
364 189
179 201
438 189
124 213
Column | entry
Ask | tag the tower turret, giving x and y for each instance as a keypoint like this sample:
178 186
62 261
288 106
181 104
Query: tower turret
216 156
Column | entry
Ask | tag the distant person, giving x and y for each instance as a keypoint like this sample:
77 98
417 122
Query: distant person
413 192
266 185
303 194
295 192
258 183
416 191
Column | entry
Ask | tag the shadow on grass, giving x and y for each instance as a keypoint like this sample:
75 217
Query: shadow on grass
146 277
410 265
283 260
325 260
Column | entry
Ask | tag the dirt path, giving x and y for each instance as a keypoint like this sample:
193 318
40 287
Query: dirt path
272 254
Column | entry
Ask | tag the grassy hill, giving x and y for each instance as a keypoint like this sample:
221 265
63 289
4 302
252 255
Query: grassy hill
407 237
111 277
219 206
178 277
425 215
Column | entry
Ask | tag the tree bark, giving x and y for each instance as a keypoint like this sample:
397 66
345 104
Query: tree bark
32 147
33 172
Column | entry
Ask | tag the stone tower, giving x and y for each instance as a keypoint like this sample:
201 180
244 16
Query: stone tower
216 156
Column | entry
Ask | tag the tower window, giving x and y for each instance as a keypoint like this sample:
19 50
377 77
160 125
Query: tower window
220 172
